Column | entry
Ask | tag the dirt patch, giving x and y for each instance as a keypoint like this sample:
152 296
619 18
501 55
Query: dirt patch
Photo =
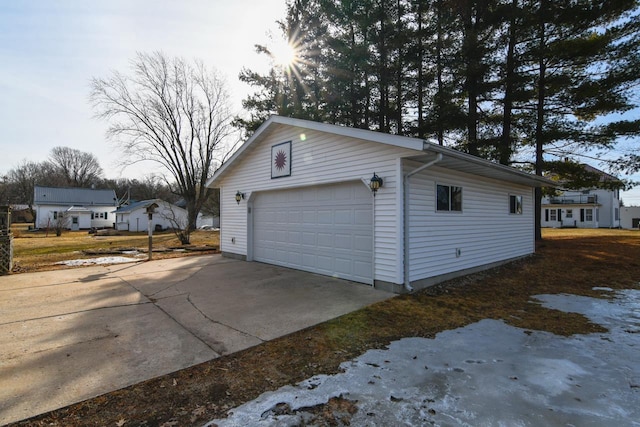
572 263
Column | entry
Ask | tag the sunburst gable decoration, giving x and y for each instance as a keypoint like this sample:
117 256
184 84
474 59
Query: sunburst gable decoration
281 160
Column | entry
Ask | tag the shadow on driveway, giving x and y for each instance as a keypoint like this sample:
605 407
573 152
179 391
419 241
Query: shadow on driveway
70 335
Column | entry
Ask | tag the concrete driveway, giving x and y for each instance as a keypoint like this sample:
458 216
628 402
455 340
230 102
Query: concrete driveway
71 335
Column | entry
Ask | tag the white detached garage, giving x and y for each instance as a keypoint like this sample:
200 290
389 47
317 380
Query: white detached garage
297 194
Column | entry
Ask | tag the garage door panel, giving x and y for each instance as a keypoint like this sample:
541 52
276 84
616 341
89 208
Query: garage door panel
343 241
308 261
294 237
308 195
325 240
295 258
324 194
324 262
343 267
294 217
282 256
361 268
363 217
281 237
308 238
343 216
325 217
344 193
323 229
309 217
362 243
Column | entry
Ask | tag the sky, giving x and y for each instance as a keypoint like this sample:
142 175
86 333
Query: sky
50 50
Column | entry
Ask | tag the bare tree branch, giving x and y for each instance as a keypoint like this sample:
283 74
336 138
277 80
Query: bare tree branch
172 113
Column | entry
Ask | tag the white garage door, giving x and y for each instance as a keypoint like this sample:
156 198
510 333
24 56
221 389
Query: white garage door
323 229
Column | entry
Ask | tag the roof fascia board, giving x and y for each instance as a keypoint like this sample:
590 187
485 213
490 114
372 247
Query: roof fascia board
541 181
363 134
383 138
263 127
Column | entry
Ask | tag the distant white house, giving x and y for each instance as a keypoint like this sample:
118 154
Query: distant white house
134 217
84 207
207 221
583 208
630 217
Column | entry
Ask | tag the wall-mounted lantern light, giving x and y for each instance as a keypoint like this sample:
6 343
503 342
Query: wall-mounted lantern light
239 196
375 183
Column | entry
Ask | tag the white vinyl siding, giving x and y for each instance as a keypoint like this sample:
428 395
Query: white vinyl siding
483 233
166 216
46 214
318 158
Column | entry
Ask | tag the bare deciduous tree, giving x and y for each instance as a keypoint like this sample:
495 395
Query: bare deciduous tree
22 179
178 225
170 112
74 167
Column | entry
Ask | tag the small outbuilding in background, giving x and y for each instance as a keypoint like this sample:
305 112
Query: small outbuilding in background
134 217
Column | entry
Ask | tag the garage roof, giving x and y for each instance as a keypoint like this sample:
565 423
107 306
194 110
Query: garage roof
136 205
425 151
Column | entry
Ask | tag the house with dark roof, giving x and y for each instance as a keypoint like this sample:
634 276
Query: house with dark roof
82 208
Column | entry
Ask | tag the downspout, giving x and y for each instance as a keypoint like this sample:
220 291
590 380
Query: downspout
373 234
406 216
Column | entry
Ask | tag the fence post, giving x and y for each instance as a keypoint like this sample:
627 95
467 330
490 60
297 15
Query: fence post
6 241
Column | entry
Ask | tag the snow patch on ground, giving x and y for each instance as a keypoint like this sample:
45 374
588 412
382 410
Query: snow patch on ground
485 374
96 261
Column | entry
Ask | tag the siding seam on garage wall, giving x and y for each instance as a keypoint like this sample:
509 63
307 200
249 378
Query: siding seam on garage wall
319 158
494 234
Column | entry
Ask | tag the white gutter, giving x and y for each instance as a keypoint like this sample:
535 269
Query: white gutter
406 219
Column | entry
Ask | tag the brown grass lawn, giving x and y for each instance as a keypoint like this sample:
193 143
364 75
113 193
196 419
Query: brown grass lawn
34 251
568 261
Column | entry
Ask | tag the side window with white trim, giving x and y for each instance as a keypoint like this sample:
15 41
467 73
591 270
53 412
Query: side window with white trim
515 204
448 198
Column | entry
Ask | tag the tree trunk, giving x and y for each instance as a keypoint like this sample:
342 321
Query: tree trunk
439 96
539 133
399 66
419 64
471 80
383 114
506 146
